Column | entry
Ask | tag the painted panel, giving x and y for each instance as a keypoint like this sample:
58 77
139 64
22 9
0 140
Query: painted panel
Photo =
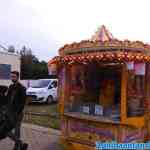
89 132
132 135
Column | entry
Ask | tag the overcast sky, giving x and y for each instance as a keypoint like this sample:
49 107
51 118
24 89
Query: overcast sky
46 25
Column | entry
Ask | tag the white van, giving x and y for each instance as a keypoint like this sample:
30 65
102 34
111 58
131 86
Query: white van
43 90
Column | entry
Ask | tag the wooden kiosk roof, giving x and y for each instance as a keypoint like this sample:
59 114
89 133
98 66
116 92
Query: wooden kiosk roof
103 47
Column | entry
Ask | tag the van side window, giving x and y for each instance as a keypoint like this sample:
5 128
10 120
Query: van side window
50 86
54 84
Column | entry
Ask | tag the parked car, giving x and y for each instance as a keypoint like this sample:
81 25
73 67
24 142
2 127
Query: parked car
43 90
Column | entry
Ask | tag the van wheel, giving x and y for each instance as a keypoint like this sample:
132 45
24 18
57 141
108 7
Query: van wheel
49 99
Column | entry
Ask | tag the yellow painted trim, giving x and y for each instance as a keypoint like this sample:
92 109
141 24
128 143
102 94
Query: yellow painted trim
135 121
123 94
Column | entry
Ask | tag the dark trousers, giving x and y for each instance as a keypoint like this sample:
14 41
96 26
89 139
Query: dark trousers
15 134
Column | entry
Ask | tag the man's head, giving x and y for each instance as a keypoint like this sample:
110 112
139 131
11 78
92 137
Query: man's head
14 76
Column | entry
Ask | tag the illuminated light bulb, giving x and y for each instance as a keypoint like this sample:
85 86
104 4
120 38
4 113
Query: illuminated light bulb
146 57
112 55
132 56
142 57
109 55
70 62
137 56
118 55
92 56
123 55
69 58
87 57
128 56
126 53
85 63
82 57
78 58
102 56
118 58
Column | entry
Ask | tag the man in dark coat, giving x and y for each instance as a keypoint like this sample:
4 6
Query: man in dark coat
16 96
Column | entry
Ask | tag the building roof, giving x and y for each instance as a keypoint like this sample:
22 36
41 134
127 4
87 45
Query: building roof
102 34
5 51
103 47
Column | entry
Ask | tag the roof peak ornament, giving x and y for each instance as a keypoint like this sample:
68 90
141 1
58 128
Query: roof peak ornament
102 34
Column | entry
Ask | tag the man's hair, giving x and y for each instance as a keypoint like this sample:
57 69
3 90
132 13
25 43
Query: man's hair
16 73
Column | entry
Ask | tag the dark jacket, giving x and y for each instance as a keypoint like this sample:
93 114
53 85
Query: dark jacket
3 100
16 97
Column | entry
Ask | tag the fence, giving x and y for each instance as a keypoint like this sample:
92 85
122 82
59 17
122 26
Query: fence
43 119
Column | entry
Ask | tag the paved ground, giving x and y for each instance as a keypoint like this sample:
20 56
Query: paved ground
39 138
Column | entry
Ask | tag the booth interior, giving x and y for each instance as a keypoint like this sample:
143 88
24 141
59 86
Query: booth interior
95 91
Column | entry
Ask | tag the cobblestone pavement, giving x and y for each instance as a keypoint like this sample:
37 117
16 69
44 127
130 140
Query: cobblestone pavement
38 138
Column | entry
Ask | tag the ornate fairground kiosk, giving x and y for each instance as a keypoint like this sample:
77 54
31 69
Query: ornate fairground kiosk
104 91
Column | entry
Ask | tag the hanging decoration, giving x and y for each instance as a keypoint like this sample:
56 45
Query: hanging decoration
103 47
139 68
130 65
126 57
52 69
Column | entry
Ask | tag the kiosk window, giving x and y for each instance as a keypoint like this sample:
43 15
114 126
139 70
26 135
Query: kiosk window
135 93
95 90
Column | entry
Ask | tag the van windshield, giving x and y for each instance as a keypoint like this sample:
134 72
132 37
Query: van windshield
40 84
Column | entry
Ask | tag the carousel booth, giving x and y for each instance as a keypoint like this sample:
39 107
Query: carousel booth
104 91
